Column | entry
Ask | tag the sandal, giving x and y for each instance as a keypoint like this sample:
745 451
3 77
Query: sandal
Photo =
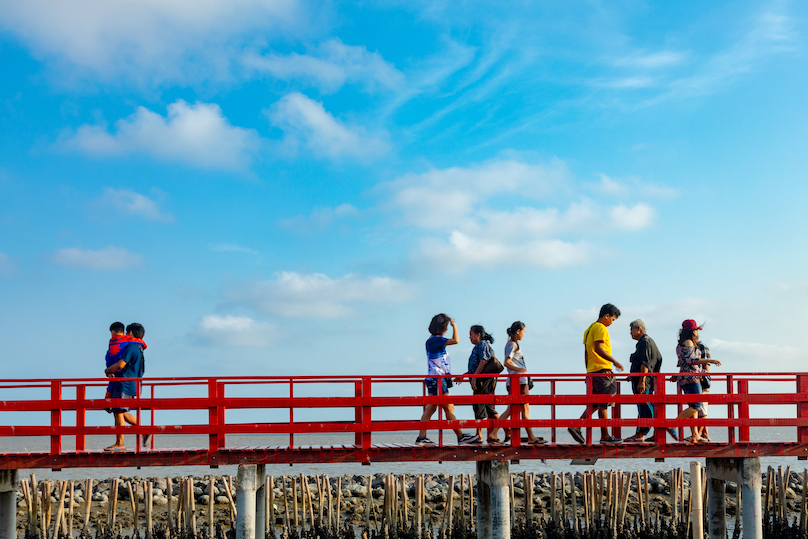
506 440
537 441
634 440
494 441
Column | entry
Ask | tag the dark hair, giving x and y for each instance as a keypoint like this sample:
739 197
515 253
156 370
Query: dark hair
686 335
516 326
479 330
136 329
117 327
439 324
610 310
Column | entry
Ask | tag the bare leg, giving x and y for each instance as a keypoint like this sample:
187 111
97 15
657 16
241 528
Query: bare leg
689 413
119 422
427 415
603 413
505 415
449 409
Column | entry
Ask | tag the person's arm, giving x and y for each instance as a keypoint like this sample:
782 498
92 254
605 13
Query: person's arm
707 362
602 353
641 383
454 339
512 366
114 368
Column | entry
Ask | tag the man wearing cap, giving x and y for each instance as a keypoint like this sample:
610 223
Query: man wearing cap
598 359
646 358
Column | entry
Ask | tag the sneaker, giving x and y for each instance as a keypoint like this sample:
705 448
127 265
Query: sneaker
147 440
576 434
673 434
423 440
610 440
469 439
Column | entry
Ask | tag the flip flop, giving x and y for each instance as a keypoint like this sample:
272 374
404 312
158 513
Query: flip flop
494 441
633 440
576 434
537 441
113 448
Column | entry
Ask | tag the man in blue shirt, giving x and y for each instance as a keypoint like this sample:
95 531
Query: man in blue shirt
131 365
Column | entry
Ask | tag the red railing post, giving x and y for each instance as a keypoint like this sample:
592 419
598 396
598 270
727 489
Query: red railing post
660 409
81 414
617 413
553 412
730 410
802 407
215 415
516 413
56 417
364 417
590 409
743 411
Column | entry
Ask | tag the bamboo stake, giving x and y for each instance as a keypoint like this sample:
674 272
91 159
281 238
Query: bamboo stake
303 487
270 512
46 506
169 495
563 497
472 520
114 501
338 511
530 479
192 504
462 518
329 499
368 503
574 496
294 501
601 484
626 493
132 501
585 496
285 503
646 485
311 503
451 501
320 498
417 508
27 495
783 486
88 500
674 496
60 509
149 501
35 501
405 518
229 491
70 509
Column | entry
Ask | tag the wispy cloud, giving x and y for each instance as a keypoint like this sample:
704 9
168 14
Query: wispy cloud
293 294
147 42
231 330
305 122
128 202
198 135
232 248
329 66
107 259
626 187
320 219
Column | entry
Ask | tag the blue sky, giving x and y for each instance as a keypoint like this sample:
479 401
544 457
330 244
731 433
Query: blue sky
275 187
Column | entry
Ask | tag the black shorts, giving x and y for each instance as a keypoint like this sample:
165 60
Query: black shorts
603 385
485 386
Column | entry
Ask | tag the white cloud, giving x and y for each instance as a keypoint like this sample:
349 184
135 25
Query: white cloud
438 198
320 218
293 294
461 251
461 209
126 201
231 330
197 135
330 66
306 122
109 258
146 40
6 264
231 248
632 187
753 355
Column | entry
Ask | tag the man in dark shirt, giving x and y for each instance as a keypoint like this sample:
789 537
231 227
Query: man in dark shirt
131 365
646 358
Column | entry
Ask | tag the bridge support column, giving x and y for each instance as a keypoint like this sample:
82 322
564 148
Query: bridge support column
8 503
250 477
745 471
493 500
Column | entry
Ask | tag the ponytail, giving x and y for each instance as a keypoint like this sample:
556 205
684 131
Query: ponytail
479 330
516 326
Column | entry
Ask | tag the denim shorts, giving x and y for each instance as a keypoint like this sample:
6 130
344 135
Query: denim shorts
693 389
432 386
120 395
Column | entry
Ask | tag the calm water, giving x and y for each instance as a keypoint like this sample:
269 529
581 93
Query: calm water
42 444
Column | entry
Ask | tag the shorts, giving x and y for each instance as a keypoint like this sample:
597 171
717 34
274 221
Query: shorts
432 386
121 395
693 389
485 386
603 385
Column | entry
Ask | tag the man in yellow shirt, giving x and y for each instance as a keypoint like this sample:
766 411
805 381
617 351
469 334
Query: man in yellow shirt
598 360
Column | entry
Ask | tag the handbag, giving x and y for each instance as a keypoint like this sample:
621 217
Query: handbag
706 382
529 382
493 366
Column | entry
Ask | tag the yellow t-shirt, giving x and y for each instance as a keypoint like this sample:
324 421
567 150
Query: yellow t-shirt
594 362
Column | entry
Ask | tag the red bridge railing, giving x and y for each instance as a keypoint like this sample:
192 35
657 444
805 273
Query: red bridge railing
368 407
